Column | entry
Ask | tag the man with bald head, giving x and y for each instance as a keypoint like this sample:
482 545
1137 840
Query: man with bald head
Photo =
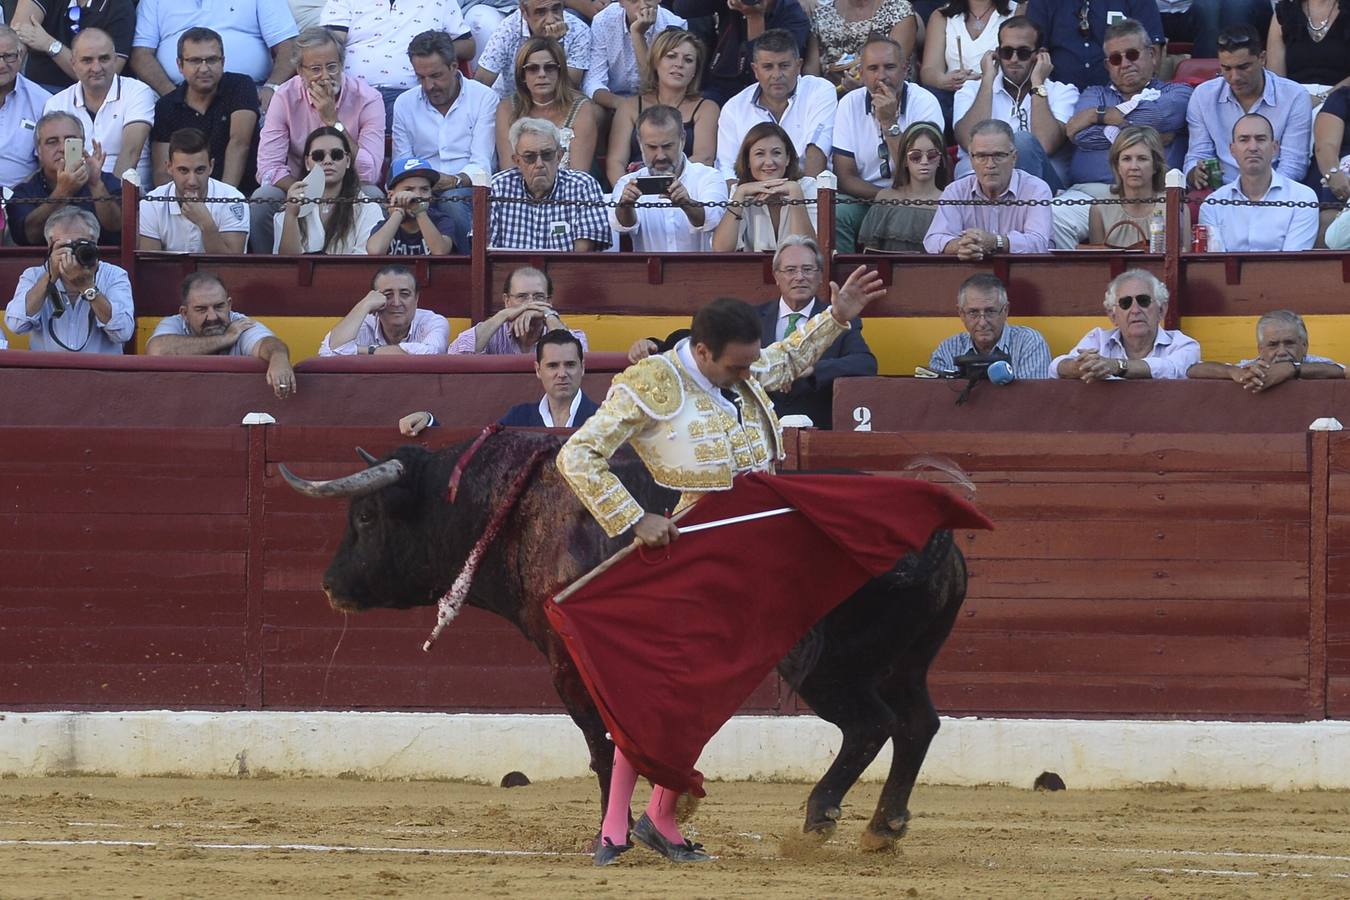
1268 228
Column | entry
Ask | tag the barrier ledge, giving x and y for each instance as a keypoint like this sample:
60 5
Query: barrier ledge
31 359
446 364
1200 755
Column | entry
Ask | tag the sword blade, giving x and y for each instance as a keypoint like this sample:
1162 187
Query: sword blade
735 519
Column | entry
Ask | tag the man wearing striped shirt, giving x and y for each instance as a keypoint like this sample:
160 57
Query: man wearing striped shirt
982 303
525 212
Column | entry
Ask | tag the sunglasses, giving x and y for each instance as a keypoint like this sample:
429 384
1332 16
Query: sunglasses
1131 54
530 157
884 153
1234 42
1144 301
918 156
337 155
1022 53
539 68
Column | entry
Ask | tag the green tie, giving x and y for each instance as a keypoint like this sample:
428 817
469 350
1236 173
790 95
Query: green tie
793 319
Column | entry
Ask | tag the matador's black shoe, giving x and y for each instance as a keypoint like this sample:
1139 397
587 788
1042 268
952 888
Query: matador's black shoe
608 851
646 833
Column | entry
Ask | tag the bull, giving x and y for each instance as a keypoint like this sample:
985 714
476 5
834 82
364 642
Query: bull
863 667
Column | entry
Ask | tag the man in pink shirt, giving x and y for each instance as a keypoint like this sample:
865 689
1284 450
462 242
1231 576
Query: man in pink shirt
318 95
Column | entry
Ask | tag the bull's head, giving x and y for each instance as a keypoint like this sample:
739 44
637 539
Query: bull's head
389 556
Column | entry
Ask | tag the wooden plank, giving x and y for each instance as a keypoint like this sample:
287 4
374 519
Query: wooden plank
1158 537
101 606
133 645
1100 615
1161 579
172 571
1319 452
70 685
207 533
199 493
1338 696
1240 501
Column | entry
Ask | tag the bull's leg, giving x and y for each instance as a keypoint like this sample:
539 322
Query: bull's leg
866 724
581 708
916 722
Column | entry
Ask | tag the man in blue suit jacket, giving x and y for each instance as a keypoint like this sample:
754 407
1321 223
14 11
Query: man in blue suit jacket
559 364
798 269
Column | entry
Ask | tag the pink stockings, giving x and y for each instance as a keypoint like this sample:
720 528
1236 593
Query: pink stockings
661 809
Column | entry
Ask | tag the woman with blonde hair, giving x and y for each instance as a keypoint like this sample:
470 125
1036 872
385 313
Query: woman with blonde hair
768 175
671 78
543 91
921 173
1139 165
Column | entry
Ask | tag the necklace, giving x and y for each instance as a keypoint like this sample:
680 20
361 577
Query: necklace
1318 30
975 24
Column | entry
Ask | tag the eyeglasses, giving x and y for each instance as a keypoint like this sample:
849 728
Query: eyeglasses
918 156
1132 54
988 315
1233 42
1144 301
540 68
996 157
1022 53
337 154
539 297
202 62
529 157
9 59
316 71
794 271
1084 24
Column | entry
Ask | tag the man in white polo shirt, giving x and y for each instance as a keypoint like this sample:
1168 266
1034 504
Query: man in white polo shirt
115 111
869 131
803 105
673 219
449 121
186 225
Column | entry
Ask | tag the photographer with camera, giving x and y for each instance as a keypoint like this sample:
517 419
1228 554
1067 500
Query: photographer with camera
414 227
662 204
73 301
67 175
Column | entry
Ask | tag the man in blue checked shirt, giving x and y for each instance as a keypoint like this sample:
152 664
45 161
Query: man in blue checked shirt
982 303
539 223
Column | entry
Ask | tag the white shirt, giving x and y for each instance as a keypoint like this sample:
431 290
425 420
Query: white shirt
686 355
378 34
364 220
806 312
165 222
1061 97
128 101
808 119
18 124
1263 228
465 134
613 63
546 413
429 334
661 227
858 134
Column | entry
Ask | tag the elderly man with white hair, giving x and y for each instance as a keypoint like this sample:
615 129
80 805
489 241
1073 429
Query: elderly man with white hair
525 213
1137 346
1281 354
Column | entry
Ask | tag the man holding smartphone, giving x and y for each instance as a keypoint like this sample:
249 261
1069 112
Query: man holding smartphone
662 204
61 180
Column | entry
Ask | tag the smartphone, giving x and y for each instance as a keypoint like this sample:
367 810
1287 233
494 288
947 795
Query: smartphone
654 184
74 153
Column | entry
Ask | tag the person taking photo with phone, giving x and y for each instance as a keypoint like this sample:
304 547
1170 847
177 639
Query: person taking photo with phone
67 175
662 205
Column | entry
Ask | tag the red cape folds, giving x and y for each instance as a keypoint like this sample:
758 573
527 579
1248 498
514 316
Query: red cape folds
670 648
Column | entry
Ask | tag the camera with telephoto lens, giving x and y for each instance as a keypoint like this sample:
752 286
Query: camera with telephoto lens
85 252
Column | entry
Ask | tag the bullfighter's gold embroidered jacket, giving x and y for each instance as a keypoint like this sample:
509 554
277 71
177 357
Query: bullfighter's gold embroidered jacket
685 438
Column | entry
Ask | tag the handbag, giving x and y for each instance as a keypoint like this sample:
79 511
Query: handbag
1141 244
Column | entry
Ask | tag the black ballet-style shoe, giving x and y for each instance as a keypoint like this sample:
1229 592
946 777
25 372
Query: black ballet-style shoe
646 833
608 851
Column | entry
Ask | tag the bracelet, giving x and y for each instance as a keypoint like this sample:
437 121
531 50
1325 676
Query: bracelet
735 215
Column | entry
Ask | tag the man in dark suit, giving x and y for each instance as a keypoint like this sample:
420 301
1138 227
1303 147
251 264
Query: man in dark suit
559 364
798 269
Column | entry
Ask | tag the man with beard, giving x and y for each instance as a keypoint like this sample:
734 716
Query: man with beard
869 130
173 216
1015 87
982 303
1242 228
520 217
387 321
206 326
672 218
1281 354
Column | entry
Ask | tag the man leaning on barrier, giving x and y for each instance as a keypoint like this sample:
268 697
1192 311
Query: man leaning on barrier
982 304
387 321
1281 354
73 301
538 206
527 313
207 326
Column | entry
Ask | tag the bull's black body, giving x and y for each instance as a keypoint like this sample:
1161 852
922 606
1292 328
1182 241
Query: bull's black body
864 667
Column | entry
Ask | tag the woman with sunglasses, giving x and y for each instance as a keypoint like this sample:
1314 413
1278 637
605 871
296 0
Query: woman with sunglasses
769 177
1136 347
1139 165
671 78
921 178
342 226
544 92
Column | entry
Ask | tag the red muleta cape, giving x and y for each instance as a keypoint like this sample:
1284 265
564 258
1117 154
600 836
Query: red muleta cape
670 649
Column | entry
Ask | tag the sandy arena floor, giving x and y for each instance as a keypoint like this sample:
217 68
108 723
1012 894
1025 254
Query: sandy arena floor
97 837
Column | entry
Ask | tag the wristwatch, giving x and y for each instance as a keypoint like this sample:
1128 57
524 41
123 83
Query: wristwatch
1101 113
54 49
1124 367
1298 368
894 130
1040 91
272 87
89 294
999 243
370 350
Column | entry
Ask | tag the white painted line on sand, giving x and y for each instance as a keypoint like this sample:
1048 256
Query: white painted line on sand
1318 857
308 848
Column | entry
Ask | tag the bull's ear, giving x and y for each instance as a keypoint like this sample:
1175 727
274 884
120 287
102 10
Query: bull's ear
369 458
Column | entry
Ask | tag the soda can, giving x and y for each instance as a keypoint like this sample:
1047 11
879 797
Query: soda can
1200 242
1214 171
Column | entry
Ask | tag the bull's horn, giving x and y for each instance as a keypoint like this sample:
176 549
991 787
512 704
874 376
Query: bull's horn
367 481
368 457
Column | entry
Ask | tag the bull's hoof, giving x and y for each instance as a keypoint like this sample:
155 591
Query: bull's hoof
822 830
883 839
823 821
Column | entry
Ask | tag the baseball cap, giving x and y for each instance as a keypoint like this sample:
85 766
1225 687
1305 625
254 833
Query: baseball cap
405 166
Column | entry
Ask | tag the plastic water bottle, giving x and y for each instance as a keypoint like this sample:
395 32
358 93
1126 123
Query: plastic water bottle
1157 231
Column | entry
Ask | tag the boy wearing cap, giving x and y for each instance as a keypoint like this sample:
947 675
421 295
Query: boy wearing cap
414 226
